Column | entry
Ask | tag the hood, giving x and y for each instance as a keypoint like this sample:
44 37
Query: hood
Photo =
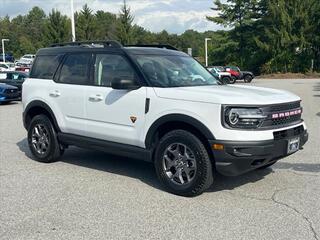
6 86
228 94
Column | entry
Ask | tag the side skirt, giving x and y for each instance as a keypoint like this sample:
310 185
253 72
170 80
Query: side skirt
106 146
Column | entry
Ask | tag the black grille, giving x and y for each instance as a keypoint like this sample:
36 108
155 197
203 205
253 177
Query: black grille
10 90
288 133
285 107
281 121
286 120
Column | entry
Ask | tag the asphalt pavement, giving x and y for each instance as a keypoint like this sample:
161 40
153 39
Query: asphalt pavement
92 195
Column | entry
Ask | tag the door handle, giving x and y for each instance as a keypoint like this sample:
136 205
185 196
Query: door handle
55 93
96 98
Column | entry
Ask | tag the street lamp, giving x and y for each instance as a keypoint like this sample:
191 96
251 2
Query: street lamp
73 28
206 49
3 54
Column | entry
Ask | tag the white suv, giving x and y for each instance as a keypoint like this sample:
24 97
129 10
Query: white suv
156 104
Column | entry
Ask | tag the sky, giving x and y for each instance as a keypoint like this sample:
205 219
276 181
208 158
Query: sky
175 16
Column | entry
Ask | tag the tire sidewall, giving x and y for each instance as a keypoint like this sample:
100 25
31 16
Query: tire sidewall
248 79
48 157
200 161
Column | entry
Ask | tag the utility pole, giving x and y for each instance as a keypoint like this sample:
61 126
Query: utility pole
3 53
73 28
206 50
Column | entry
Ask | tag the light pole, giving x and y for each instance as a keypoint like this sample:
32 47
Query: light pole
73 28
3 54
206 49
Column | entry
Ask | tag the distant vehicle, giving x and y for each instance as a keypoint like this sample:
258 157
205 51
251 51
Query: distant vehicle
27 59
14 79
8 93
8 57
6 66
237 74
22 67
221 74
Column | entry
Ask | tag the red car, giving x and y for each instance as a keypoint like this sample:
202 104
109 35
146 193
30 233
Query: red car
237 74
23 67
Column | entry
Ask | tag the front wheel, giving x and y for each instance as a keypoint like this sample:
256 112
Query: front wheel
43 141
183 164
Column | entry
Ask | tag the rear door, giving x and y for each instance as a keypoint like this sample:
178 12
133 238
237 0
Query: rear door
114 115
68 92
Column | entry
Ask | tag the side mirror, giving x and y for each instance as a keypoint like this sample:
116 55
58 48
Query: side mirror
124 84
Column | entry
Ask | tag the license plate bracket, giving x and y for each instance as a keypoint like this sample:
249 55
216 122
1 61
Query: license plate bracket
293 145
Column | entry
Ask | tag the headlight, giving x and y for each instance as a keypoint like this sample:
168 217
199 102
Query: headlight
247 118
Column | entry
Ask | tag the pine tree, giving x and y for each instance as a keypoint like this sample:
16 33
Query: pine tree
125 24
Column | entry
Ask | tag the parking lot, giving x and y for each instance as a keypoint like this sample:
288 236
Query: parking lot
92 195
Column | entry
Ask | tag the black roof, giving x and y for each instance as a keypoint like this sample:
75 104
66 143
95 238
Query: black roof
109 46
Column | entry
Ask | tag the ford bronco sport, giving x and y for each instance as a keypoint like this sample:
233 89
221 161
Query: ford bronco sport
157 104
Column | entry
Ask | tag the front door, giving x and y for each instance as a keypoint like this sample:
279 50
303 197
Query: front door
114 115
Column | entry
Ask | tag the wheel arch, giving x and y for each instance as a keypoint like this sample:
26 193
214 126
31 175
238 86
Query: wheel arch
176 121
35 108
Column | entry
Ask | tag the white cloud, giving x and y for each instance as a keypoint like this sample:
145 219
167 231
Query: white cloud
175 16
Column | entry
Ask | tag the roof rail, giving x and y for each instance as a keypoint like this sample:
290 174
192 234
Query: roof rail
166 46
105 43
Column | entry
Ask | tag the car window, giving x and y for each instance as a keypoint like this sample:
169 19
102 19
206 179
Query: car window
75 69
3 66
45 66
174 71
109 67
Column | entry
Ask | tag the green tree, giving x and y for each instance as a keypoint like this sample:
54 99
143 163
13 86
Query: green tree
125 25
57 28
86 24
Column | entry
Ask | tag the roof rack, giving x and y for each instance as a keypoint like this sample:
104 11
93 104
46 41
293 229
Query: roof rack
107 43
166 46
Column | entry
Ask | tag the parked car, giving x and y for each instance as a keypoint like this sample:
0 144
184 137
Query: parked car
27 59
14 79
23 67
7 66
237 74
158 105
8 57
221 74
8 93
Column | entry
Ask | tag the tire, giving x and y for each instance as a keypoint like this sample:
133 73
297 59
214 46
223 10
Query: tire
266 166
43 141
197 162
226 80
233 80
248 78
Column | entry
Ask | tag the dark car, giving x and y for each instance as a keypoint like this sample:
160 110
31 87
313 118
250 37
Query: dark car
8 57
8 93
237 74
14 79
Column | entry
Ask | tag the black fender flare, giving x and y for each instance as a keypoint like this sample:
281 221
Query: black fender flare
176 118
39 104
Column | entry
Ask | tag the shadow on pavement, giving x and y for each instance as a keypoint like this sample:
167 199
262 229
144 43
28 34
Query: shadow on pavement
318 114
145 171
137 169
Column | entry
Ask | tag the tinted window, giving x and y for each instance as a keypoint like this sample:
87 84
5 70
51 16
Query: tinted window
75 69
45 66
174 71
109 67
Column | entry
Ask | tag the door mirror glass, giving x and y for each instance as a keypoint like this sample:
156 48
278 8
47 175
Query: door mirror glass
124 84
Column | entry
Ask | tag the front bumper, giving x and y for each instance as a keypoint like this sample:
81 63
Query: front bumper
5 97
240 157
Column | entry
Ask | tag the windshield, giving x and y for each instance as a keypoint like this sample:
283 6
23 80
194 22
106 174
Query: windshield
174 71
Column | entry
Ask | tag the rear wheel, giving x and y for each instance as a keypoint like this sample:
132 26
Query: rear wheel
248 78
233 80
226 80
43 141
182 164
